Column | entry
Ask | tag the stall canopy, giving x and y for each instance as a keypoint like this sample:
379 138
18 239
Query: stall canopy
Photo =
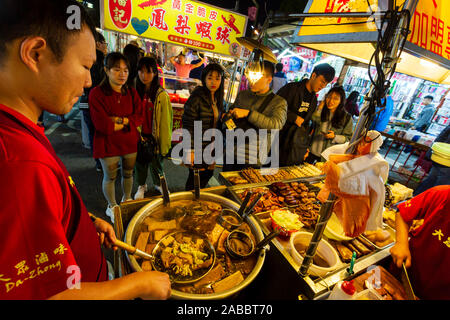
427 50
188 23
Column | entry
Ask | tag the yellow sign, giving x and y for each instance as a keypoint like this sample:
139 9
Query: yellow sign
184 22
326 25
430 27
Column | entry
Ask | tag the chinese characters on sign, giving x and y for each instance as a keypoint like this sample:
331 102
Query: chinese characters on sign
430 27
182 21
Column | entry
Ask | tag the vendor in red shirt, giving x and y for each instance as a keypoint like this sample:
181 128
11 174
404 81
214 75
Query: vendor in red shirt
116 113
50 246
427 253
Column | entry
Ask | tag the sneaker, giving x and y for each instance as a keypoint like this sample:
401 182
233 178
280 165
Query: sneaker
110 212
126 200
140 192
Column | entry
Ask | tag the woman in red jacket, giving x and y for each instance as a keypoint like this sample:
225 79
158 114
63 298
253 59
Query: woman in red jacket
116 114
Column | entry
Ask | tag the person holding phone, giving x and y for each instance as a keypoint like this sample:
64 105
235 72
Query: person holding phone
333 124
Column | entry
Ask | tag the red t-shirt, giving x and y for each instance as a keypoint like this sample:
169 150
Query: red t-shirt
430 243
183 70
107 142
48 240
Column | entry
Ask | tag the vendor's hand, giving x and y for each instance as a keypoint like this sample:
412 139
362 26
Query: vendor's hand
400 253
239 113
155 285
190 160
330 135
105 233
299 121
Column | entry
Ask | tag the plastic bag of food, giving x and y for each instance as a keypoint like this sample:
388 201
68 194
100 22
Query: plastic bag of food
358 183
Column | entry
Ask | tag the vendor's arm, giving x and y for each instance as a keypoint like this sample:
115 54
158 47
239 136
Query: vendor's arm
198 64
400 251
146 285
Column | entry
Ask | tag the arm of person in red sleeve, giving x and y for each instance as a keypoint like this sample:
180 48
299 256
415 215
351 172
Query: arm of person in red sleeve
414 209
137 117
37 262
97 108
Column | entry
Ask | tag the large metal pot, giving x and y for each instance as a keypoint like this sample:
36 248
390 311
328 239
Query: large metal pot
144 212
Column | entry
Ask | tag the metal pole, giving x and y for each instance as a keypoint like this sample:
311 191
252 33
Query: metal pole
231 86
327 207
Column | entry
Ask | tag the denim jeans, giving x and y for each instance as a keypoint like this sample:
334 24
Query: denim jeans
110 167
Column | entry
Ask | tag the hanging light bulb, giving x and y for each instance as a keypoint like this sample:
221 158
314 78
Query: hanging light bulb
255 68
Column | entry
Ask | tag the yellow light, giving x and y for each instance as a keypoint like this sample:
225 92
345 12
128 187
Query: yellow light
254 76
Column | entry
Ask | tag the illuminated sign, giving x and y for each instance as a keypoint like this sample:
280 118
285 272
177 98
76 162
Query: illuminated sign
188 23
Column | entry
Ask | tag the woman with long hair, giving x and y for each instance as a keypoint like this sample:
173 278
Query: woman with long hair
116 113
157 123
351 104
205 104
333 124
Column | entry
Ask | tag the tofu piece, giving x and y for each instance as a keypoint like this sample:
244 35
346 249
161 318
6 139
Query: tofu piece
142 240
215 274
215 234
229 282
146 265
149 248
221 242
154 224
159 234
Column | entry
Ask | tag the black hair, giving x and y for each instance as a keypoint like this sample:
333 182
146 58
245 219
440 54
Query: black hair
111 61
429 97
133 53
100 37
149 64
353 97
340 115
279 67
220 91
45 18
269 68
325 70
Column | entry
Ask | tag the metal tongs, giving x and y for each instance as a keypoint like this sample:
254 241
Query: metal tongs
197 184
165 189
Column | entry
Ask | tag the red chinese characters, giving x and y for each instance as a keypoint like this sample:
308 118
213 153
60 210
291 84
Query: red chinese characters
337 6
157 20
223 34
176 4
213 15
447 48
189 8
201 12
120 12
182 26
204 29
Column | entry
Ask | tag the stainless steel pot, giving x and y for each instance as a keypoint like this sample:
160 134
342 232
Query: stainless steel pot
144 212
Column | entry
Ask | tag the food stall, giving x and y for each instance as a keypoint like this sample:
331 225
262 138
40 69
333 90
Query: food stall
288 193
179 26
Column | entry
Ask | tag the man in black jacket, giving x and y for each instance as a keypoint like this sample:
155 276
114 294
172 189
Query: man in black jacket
295 137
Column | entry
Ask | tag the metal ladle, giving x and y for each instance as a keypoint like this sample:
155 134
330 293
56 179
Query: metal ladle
244 237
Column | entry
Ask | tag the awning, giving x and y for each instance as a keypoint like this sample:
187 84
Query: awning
355 43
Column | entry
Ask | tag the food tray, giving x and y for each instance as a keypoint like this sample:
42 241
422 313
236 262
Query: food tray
224 177
236 194
387 228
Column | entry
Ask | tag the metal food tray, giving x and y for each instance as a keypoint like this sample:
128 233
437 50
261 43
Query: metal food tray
314 287
387 228
223 178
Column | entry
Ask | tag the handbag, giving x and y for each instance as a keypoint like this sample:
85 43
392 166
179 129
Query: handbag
147 148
